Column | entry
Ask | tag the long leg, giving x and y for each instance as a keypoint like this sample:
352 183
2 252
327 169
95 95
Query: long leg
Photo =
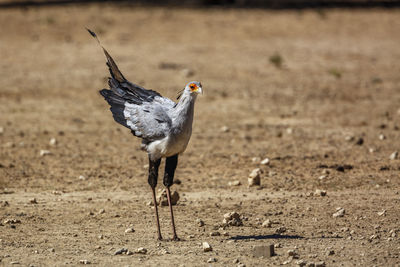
170 167
153 176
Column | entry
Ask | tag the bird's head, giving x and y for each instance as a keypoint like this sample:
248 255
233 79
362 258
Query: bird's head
194 88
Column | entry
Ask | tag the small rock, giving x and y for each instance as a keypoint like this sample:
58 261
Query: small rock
256 159
84 262
280 230
210 260
81 177
120 251
141 250
9 145
360 141
293 253
225 129
33 201
267 223
215 233
11 221
394 155
234 183
52 250
53 142
339 213
310 264
382 213
232 219
265 161
101 211
322 177
320 264
264 251
44 152
371 150
349 138
129 230
200 222
255 177
129 252
382 137
206 247
100 237
163 200
1 130
330 252
320 192
301 263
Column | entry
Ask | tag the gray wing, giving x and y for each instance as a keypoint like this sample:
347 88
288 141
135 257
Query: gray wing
143 111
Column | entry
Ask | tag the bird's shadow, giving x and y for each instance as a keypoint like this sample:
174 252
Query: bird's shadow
262 237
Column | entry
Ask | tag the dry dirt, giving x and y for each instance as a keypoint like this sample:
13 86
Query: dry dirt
339 82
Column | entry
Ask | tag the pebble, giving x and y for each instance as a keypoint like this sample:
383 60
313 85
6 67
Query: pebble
8 145
264 251
232 219
339 213
200 222
163 200
33 201
210 260
225 129
394 155
206 247
255 177
360 141
293 253
84 262
382 137
265 161
141 250
322 177
215 233
129 230
330 252
44 152
301 263
1 130
320 264
320 192
256 159
234 183
121 251
101 211
382 213
53 142
280 230
267 223
81 177
11 221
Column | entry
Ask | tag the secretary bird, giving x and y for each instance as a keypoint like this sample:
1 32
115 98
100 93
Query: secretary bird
164 126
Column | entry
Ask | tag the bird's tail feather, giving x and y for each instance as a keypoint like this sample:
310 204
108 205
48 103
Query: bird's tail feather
113 68
117 106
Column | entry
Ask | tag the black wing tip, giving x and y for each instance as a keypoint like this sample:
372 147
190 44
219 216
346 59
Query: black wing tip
105 92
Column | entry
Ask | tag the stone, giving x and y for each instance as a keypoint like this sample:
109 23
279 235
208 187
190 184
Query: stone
267 223
234 183
1 130
200 222
11 221
255 177
101 211
280 230
163 200
320 192
84 262
394 155
120 251
339 213
320 264
215 233
225 129
129 230
44 152
382 137
207 247
81 177
53 142
33 201
330 252
293 253
265 161
232 219
266 251
382 213
210 260
301 263
141 251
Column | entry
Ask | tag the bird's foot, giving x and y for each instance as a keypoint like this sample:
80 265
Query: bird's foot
176 238
160 238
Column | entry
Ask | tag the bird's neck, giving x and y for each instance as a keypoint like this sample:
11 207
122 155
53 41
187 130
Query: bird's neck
185 106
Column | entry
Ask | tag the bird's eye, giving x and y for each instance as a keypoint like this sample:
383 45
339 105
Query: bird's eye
192 86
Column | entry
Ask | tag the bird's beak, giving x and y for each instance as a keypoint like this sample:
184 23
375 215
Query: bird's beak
200 90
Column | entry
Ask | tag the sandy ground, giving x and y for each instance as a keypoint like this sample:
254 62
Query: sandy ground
338 84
